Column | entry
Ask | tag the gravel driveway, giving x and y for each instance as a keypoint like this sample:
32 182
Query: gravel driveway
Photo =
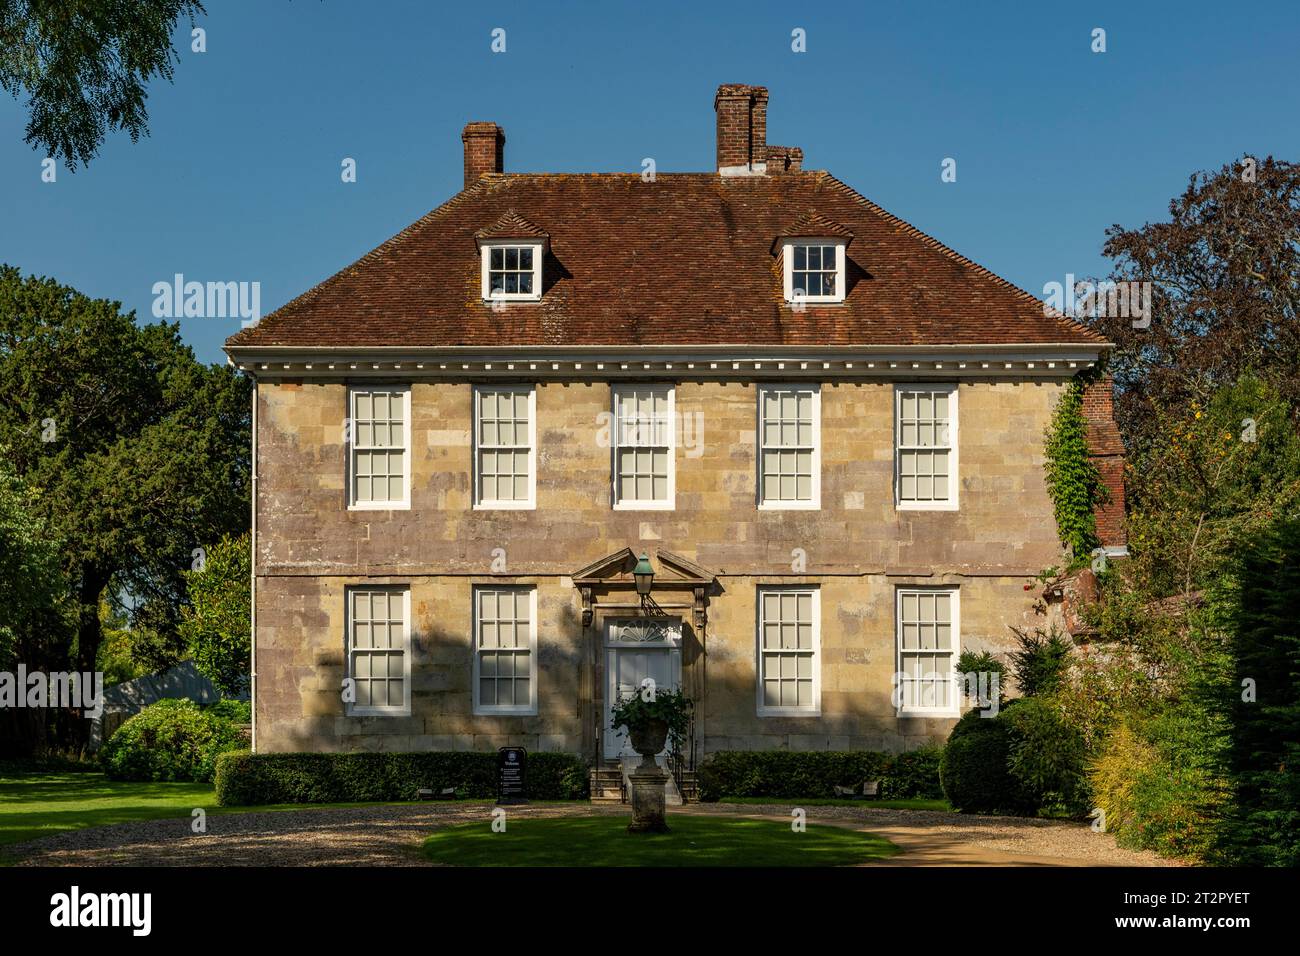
391 836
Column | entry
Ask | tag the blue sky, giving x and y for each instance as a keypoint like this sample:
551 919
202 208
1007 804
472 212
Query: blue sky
240 177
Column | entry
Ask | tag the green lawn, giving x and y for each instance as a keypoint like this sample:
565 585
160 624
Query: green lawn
694 841
39 804
913 804
34 805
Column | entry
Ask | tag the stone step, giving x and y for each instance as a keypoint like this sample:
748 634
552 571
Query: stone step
607 786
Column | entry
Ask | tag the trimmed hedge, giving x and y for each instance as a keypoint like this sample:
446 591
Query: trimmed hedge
914 774
1047 756
799 774
248 779
974 769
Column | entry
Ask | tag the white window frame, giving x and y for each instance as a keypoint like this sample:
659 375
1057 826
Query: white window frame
511 710
351 449
390 710
815 708
954 474
814 503
492 504
636 504
485 256
787 258
956 688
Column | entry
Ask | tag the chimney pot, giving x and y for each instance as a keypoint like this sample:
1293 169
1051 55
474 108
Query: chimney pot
485 149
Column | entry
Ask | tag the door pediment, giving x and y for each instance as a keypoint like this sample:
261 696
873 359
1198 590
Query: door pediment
672 573
670 570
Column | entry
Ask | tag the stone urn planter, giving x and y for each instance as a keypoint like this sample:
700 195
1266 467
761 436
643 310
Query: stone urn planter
648 779
650 718
648 740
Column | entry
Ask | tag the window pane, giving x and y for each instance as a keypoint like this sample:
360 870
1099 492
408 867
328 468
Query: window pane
505 625
378 631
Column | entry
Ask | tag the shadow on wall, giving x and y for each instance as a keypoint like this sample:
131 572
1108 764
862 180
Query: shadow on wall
856 714
442 701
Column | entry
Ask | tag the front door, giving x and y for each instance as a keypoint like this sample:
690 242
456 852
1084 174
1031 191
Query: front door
634 652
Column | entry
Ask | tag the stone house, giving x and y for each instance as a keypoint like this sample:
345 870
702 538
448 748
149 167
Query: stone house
823 427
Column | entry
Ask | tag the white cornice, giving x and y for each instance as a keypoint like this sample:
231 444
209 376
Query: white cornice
676 362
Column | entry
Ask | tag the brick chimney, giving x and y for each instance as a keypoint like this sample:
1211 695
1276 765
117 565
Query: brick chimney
742 129
1106 449
784 159
485 150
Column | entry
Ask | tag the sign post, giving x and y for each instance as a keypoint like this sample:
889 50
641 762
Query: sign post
511 775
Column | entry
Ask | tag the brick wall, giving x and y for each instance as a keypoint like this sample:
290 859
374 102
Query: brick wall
1106 449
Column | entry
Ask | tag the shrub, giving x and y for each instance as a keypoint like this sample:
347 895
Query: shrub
974 768
1156 781
671 707
169 740
1040 662
247 779
235 711
1046 756
814 774
983 663
914 774
971 722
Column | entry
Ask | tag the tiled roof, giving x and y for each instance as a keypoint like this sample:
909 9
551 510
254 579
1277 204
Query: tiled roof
511 225
812 224
685 259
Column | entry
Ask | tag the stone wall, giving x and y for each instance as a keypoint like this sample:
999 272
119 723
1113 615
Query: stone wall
857 547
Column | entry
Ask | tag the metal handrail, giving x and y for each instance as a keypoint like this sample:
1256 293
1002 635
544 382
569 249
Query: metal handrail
676 765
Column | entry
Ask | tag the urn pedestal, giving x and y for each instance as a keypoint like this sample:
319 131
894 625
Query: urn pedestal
648 779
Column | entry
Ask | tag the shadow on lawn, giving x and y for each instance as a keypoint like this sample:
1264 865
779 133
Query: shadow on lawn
694 841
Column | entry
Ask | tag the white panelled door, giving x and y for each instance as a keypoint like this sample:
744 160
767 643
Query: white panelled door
636 650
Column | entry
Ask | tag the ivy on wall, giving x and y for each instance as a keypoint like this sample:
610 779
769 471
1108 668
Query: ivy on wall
1073 481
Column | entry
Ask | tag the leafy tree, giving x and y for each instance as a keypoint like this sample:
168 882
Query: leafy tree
84 67
116 660
1225 270
143 455
1209 477
31 579
215 624
1260 597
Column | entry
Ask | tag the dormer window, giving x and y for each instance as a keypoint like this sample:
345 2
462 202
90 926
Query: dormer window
814 270
512 271
512 249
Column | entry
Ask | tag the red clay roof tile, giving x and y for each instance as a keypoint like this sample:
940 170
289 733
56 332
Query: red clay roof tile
683 260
